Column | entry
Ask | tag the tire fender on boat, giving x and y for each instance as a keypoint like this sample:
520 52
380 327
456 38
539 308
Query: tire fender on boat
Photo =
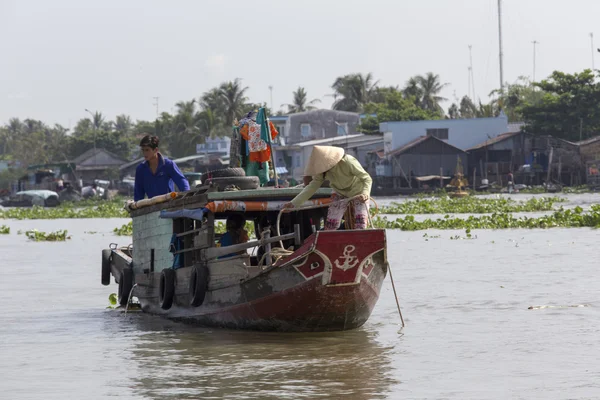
106 258
125 286
198 285
166 291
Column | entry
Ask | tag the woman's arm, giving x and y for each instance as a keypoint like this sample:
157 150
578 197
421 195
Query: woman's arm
308 191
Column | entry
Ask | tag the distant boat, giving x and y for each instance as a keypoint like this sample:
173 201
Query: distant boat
30 198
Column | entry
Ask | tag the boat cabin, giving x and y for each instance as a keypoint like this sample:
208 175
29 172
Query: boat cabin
197 221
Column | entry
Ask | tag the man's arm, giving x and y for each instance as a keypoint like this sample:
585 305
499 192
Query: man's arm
138 187
178 178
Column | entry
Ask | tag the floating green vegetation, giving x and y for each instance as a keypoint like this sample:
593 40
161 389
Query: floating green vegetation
574 218
102 210
125 230
471 205
4 230
39 236
112 299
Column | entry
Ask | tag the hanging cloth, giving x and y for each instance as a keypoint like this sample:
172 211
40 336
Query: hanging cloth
256 133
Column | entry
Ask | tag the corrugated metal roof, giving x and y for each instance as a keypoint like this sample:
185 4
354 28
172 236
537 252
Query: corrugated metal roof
588 141
497 139
417 141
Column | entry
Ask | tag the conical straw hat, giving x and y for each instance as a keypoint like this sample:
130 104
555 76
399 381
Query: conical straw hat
322 159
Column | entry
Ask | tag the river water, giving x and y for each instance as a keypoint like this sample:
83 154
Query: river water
469 333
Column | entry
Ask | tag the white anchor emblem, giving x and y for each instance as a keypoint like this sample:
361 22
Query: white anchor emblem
350 261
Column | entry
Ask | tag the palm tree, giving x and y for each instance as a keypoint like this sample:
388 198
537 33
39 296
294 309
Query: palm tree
431 87
352 92
468 109
233 97
413 90
123 124
98 120
213 101
300 102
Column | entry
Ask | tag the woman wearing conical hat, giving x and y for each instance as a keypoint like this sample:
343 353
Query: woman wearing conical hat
350 182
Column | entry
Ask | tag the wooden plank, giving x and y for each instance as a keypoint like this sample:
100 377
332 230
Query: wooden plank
265 193
195 201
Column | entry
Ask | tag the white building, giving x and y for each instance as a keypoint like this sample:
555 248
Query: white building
461 133
218 145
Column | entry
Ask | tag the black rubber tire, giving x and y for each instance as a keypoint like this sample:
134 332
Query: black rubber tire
223 173
242 182
106 256
51 202
198 285
125 285
166 292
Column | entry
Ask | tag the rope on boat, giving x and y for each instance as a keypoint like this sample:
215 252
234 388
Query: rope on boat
395 295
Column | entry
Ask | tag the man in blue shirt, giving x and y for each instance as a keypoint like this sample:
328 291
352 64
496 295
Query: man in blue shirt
156 175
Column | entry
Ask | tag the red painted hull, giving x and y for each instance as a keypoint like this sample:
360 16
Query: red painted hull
331 283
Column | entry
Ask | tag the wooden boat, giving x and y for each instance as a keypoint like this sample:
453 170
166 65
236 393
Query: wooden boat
318 281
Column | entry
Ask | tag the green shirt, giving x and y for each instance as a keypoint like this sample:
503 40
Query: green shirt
346 178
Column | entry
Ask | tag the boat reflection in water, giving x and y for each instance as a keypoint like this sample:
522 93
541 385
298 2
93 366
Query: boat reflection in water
173 360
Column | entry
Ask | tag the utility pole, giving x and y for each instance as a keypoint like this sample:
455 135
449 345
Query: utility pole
94 126
535 43
469 80
271 90
156 104
500 45
592 40
471 73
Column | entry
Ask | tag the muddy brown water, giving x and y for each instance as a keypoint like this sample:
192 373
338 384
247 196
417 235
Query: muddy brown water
469 332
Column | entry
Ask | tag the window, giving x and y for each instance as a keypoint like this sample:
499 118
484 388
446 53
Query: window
305 130
342 129
440 133
297 160
281 130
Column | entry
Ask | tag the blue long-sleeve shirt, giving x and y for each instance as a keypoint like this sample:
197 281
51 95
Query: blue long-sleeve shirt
167 173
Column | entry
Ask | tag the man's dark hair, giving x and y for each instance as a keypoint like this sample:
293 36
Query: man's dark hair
150 141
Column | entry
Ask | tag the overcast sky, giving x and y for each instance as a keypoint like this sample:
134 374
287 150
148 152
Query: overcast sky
58 57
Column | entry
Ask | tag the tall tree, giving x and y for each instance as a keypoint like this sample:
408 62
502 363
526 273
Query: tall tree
300 102
515 96
568 107
352 92
430 86
412 90
395 108
234 98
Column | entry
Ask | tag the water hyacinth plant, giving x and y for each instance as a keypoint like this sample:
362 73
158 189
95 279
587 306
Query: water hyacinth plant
574 218
471 205
4 230
39 236
104 210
